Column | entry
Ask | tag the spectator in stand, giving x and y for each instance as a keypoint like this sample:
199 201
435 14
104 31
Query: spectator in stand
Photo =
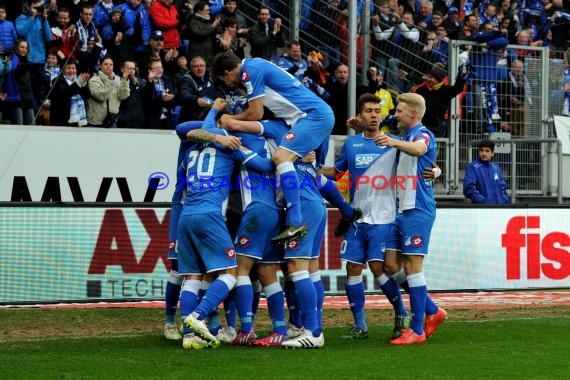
136 18
63 34
20 98
114 39
292 61
8 35
379 89
196 91
52 70
102 13
202 32
66 95
405 49
158 97
470 28
106 90
155 50
515 96
437 94
182 63
484 182
337 89
131 113
228 39
5 67
323 29
489 15
436 21
35 29
383 22
230 10
87 33
424 16
484 62
452 23
434 51
265 36
164 17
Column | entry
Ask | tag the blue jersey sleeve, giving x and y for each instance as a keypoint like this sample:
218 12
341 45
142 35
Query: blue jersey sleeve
210 124
341 164
254 85
252 160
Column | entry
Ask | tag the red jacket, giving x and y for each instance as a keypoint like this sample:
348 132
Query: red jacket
165 18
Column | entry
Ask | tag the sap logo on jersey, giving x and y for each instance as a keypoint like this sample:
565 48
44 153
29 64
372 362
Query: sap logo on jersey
364 160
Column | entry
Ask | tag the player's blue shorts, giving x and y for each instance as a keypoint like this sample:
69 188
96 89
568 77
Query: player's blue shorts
411 232
310 133
258 225
314 215
365 242
204 238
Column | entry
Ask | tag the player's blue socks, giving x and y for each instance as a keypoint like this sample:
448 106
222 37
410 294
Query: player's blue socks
418 294
289 182
244 300
171 296
256 296
391 290
306 300
230 308
189 299
320 290
275 298
329 191
355 293
400 277
214 322
217 291
291 297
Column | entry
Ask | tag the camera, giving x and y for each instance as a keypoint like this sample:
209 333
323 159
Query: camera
40 9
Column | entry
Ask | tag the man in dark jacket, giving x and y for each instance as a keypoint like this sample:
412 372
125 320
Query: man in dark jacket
484 182
265 36
131 113
438 93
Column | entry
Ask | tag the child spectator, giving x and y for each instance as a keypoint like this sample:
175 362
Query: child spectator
484 182
8 35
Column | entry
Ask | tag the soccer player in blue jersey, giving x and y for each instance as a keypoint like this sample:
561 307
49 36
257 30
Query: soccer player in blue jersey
204 243
310 118
302 255
372 170
416 212
174 282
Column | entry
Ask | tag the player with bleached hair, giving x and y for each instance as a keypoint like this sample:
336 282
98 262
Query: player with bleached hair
416 213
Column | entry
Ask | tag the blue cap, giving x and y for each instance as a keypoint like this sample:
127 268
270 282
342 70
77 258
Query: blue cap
157 35
453 10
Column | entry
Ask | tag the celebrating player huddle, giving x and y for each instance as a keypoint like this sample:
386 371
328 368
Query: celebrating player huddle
278 162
